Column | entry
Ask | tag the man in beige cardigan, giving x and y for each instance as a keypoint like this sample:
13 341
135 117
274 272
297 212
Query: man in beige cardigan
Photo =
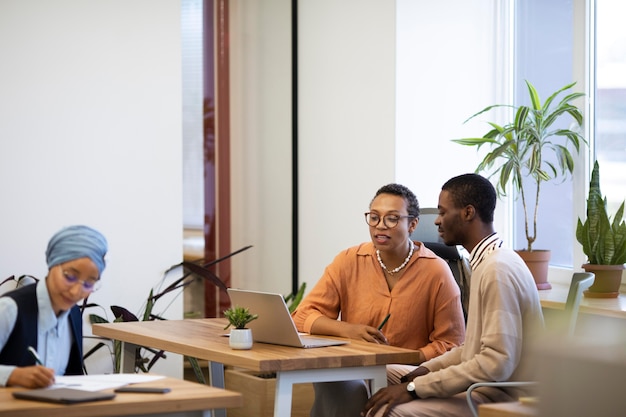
504 315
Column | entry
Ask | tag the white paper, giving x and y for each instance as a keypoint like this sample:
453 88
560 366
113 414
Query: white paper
101 381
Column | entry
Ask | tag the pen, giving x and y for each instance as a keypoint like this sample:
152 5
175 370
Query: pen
384 321
35 355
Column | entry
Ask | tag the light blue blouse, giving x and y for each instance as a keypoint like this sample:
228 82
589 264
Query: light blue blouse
54 334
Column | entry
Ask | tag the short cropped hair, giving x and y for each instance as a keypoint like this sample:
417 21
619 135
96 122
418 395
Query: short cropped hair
474 190
413 206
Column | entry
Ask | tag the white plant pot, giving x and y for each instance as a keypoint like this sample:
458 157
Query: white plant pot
240 339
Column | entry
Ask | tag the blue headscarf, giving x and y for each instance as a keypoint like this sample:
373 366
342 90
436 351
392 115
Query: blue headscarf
75 242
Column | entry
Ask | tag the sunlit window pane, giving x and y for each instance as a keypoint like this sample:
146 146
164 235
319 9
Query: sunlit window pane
611 99
544 55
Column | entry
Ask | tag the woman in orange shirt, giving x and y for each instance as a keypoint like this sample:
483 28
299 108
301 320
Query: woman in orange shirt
391 275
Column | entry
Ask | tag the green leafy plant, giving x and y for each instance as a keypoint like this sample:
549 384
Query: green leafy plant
145 357
520 148
293 300
603 239
239 317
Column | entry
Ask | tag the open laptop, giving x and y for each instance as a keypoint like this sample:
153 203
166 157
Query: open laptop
275 324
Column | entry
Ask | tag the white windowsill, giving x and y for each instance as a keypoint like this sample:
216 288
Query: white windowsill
555 298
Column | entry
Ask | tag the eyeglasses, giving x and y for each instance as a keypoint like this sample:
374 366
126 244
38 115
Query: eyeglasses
389 220
88 286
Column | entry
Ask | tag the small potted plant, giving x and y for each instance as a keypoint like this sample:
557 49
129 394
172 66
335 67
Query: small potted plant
603 240
240 336
523 149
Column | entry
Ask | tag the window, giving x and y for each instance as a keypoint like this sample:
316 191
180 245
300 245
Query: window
545 48
610 100
544 56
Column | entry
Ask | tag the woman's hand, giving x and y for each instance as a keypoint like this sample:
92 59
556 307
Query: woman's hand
326 326
364 332
31 377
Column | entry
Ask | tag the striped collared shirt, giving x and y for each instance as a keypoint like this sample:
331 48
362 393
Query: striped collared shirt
484 248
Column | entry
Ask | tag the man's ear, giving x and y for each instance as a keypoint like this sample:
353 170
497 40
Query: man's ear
468 213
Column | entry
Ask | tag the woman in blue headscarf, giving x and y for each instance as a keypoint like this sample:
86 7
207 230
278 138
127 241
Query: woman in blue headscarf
41 325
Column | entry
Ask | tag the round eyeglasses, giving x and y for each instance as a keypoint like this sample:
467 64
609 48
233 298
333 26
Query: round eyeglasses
389 220
87 285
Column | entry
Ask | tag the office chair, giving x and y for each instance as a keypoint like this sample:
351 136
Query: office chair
427 233
426 230
580 282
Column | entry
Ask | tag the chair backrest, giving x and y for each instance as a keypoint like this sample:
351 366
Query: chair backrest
427 233
580 282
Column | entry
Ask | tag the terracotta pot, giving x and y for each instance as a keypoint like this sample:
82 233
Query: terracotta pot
607 282
538 262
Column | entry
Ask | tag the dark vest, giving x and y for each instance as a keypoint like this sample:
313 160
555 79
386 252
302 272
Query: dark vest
15 351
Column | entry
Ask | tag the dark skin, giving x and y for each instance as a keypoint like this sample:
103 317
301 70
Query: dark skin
457 226
394 247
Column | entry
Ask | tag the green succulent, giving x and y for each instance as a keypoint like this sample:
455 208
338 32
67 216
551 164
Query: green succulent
239 317
603 239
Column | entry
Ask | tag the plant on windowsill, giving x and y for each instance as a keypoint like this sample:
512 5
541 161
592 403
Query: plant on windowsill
520 150
239 317
603 240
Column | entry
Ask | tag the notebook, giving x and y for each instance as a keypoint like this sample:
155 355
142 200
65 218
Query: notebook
63 395
275 324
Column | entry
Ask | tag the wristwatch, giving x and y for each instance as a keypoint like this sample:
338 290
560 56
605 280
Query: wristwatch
411 390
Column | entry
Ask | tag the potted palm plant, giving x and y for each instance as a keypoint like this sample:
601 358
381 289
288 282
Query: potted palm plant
525 148
603 240
240 336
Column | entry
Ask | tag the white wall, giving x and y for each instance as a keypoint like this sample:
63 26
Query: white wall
347 122
383 87
91 126
90 132
346 131
445 66
260 71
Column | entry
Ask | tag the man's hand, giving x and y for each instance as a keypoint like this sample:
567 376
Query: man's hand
31 377
419 371
389 397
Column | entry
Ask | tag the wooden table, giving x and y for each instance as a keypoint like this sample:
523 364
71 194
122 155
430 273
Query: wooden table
511 409
185 399
203 339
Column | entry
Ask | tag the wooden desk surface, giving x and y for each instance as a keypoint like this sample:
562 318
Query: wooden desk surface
203 339
611 307
185 396
512 409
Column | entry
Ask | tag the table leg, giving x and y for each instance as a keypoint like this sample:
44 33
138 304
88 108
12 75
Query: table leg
216 374
216 379
127 358
286 379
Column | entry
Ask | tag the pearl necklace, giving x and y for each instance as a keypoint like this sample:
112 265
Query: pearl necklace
406 261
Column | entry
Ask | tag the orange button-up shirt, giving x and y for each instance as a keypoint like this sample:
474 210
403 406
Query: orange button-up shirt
425 303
